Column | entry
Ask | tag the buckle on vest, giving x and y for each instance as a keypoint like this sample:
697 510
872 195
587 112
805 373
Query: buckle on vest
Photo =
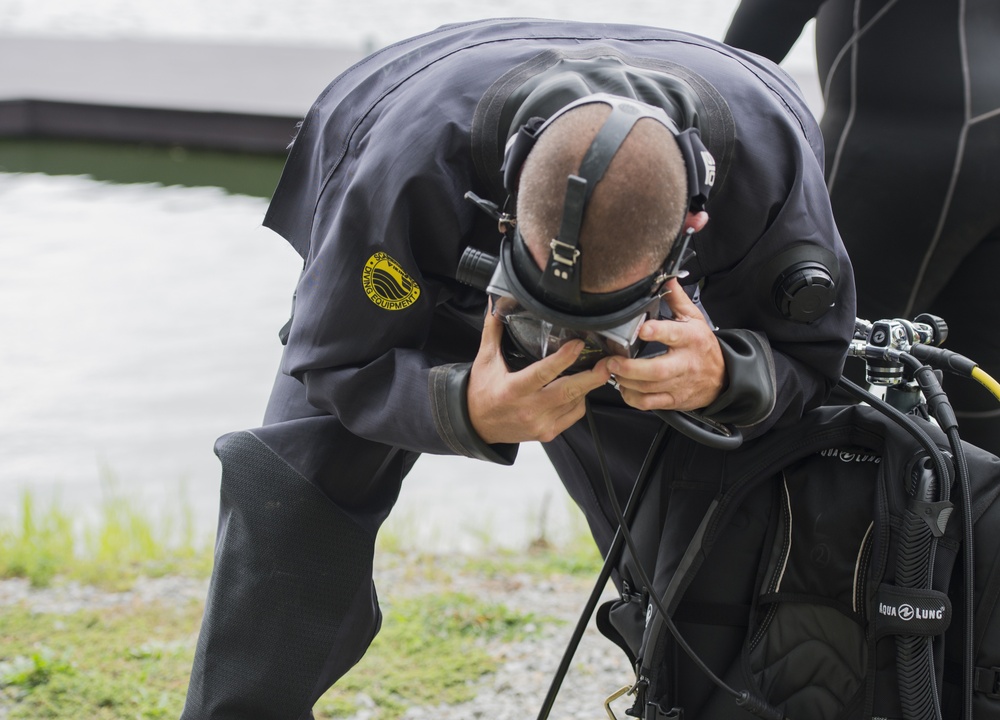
987 682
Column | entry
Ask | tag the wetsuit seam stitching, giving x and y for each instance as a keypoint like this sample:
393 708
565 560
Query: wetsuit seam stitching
853 41
956 166
985 116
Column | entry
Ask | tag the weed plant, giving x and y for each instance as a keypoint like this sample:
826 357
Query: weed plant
123 544
132 660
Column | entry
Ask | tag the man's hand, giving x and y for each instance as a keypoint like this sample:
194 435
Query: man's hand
689 376
530 404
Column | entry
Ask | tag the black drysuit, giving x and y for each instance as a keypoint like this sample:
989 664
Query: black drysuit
382 335
912 128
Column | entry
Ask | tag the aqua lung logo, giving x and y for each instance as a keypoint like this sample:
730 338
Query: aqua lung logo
908 613
850 457
387 285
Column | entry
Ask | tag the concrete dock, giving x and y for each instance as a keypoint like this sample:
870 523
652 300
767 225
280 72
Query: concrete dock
237 97
221 96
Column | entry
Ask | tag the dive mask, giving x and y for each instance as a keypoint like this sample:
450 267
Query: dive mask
544 308
608 323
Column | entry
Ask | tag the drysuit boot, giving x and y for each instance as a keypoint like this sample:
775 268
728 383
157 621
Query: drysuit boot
291 604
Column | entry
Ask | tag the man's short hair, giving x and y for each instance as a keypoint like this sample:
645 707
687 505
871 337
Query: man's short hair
635 212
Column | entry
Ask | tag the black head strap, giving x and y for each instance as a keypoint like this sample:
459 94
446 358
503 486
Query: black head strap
530 275
561 278
700 166
517 151
698 160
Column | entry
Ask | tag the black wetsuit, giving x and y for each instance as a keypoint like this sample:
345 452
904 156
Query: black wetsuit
912 129
382 334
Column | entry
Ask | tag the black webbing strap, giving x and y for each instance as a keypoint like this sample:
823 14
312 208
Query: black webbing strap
562 273
606 143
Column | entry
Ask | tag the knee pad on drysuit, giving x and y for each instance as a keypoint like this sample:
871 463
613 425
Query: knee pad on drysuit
292 582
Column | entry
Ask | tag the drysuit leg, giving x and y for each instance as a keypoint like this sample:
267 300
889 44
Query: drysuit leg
291 604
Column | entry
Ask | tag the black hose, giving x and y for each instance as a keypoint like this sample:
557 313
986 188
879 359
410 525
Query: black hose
701 429
753 704
914 655
941 409
914 569
968 559
613 556
907 423
918 688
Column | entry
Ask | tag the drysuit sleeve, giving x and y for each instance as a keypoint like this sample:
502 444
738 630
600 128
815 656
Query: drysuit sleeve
772 210
769 27
751 387
365 337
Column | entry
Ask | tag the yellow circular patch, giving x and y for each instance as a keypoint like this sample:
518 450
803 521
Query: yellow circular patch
387 285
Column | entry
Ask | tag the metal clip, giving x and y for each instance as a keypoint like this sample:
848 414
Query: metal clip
570 260
506 223
627 689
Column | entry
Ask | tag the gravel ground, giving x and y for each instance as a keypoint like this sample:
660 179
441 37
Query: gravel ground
518 688
515 691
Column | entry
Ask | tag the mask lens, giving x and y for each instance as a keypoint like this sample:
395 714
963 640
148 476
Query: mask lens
534 338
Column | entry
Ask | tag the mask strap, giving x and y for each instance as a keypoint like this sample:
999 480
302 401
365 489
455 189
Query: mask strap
561 277
517 151
700 166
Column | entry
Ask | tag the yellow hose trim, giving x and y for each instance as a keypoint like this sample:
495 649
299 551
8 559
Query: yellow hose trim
989 383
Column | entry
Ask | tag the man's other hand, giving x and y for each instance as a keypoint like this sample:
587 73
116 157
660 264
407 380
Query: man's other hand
689 376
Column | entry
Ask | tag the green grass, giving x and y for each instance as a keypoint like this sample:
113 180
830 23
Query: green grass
430 651
114 663
133 661
575 558
123 544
